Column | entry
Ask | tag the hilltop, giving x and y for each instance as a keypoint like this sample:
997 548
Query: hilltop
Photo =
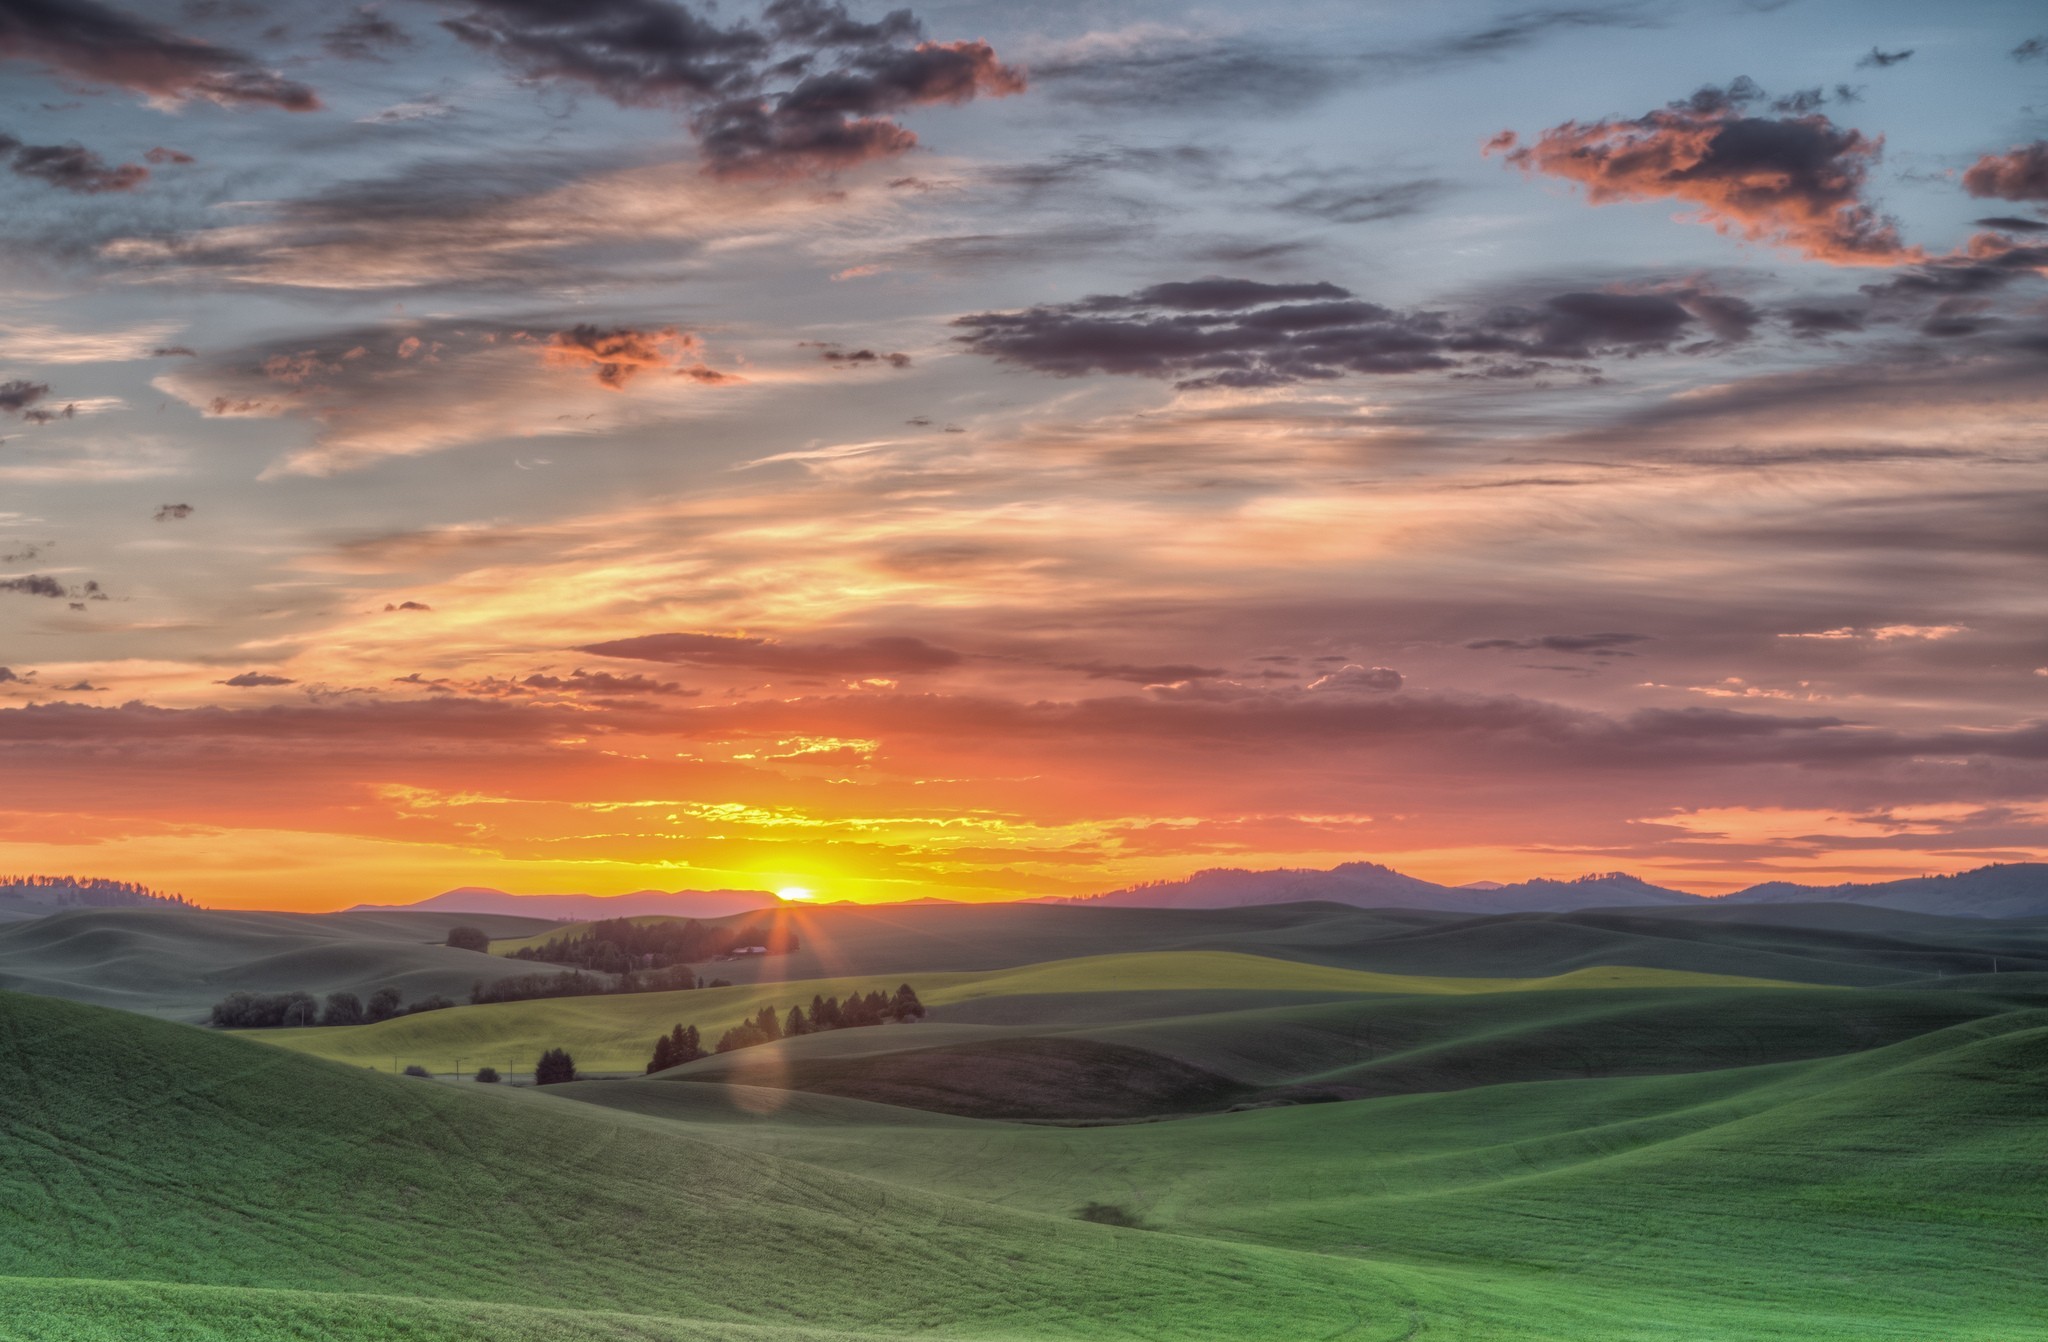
34 896
641 903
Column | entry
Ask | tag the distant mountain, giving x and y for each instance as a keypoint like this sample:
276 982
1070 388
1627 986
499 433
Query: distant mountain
2005 890
584 908
34 896
1370 885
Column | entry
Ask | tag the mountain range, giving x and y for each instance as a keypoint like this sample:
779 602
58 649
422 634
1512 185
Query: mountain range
584 908
2013 890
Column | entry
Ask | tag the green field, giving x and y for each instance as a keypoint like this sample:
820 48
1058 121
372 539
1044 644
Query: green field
615 1033
1270 1146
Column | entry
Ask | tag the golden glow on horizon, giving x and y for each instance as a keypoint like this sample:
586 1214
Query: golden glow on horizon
795 894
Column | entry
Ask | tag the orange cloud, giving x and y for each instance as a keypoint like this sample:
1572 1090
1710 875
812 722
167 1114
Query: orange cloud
1794 181
2020 173
621 353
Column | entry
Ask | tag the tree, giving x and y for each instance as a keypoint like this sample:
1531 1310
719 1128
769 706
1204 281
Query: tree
414 1069
685 1045
826 1015
342 1009
384 1004
466 938
300 1009
488 1075
664 1056
765 1022
796 1024
432 1002
904 1006
555 1066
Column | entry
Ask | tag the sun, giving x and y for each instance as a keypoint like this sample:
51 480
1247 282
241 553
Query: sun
795 894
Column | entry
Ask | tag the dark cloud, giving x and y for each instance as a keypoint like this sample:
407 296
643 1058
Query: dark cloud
2020 173
174 352
364 36
1819 321
1590 645
407 605
35 584
71 167
173 512
580 681
17 396
813 91
346 723
860 357
252 680
1143 675
163 155
616 355
2033 49
2007 223
882 656
1243 333
93 42
1353 679
1883 60
1794 181
7 676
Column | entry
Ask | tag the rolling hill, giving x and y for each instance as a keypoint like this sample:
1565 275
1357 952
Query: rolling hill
177 962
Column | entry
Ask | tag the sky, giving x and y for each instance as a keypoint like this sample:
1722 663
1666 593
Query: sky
990 451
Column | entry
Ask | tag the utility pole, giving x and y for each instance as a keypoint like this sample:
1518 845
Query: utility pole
458 1069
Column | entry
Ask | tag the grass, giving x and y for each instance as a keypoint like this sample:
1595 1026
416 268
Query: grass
616 1033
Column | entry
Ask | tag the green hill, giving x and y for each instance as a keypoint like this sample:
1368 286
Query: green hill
145 1159
615 1033
178 962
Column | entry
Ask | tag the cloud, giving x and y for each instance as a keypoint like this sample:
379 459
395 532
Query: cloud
2020 173
173 512
1883 60
251 680
1793 181
2013 224
1592 645
1166 674
881 656
1220 332
1888 633
813 91
2033 49
1354 679
618 354
17 396
364 35
1365 203
35 584
580 681
71 167
860 358
93 42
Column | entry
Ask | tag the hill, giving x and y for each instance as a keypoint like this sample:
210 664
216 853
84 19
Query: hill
588 908
34 896
2010 890
178 962
1370 885
151 1166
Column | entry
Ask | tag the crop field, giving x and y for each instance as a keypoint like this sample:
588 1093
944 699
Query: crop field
1182 1143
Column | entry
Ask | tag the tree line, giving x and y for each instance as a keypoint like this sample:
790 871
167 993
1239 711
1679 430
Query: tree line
683 1044
287 1010
620 945
88 892
576 983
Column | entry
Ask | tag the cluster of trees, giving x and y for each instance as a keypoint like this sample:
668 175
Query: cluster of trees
268 1011
554 1066
463 937
617 945
682 1045
85 892
576 983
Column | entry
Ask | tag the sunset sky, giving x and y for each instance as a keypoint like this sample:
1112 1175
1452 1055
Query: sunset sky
1010 450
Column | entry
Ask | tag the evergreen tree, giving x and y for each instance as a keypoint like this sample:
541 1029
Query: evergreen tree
765 1022
796 1024
828 1016
686 1044
904 1006
555 1066
664 1056
384 1004
342 1009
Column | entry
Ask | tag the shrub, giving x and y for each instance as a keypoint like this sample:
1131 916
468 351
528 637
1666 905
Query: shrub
263 1011
1108 1214
466 938
435 1002
414 1069
555 1066
384 1004
488 1075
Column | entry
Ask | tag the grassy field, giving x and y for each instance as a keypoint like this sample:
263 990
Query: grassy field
616 1033
1600 1154
178 962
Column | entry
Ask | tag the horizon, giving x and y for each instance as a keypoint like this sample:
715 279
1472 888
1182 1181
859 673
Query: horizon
1090 445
